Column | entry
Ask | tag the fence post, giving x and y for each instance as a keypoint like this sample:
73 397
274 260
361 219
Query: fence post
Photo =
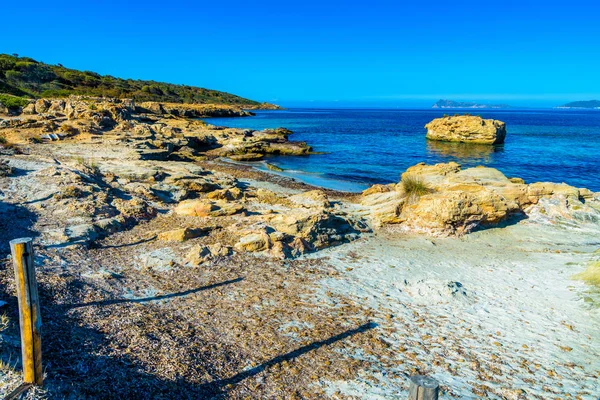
423 388
30 319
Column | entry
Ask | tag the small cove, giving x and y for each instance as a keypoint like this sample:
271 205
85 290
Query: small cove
362 147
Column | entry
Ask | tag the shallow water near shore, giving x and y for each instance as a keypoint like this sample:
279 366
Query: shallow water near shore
367 146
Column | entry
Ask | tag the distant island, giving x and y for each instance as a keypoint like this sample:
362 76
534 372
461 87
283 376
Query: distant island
582 104
466 104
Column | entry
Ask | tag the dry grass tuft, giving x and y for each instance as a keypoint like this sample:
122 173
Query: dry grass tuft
414 186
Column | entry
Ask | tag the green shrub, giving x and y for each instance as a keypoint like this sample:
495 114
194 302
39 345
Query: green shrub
13 101
414 186
24 76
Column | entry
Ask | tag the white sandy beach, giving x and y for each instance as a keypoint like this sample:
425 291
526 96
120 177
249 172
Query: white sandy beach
501 300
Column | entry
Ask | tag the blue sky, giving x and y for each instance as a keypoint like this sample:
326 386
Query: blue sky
327 52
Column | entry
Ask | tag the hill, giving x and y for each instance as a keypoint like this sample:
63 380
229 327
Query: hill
26 77
466 104
582 104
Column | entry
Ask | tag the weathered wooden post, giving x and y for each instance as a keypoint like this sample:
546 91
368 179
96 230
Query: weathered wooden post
30 319
423 388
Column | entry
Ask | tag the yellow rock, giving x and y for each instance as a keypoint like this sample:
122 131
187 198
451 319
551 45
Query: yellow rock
256 241
466 129
312 198
226 194
195 208
459 200
180 235
207 208
378 189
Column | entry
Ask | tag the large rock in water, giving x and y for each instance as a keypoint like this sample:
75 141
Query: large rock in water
466 129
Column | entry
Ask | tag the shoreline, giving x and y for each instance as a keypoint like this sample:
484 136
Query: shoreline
176 266
304 178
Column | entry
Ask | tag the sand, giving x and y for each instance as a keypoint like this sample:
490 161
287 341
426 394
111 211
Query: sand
493 313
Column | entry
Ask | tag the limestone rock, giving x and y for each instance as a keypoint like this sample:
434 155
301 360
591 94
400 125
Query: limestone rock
29 109
460 200
206 208
280 250
253 242
226 194
466 129
320 229
219 250
246 157
377 188
385 207
310 199
195 208
288 148
299 246
182 234
201 254
42 106
455 212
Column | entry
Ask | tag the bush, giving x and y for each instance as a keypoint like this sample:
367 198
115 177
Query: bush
69 192
591 275
414 186
24 76
13 101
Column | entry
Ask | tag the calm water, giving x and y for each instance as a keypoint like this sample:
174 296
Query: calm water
369 146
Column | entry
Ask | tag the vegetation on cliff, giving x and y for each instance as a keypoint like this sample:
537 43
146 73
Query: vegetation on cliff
27 78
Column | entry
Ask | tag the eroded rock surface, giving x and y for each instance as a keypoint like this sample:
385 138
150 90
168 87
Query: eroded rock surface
467 129
457 201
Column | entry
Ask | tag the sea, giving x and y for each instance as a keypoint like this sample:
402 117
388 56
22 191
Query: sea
357 148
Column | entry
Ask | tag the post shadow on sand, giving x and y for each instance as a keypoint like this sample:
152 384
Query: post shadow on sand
116 246
78 355
155 298
217 387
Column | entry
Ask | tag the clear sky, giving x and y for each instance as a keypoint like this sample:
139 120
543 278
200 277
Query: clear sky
326 52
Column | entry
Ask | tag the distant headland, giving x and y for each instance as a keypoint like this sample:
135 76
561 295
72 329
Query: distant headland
582 104
466 104
23 79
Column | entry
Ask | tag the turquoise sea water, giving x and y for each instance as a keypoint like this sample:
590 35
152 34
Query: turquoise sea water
367 146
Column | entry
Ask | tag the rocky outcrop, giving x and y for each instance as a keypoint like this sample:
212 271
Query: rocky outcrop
207 208
192 110
466 129
458 201
159 131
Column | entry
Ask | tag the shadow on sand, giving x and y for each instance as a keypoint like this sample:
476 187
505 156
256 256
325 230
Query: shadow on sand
83 362
155 298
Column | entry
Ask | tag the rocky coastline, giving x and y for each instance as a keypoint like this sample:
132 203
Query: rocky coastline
123 198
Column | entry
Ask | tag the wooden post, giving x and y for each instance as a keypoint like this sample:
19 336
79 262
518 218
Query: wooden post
30 319
423 388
